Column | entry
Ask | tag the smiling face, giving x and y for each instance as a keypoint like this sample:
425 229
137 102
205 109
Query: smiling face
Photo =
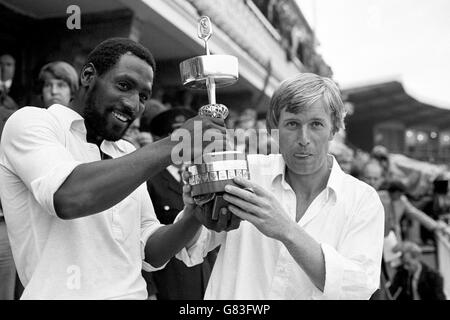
118 97
305 137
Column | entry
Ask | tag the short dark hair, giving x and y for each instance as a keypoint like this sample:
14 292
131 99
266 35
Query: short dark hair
396 185
107 54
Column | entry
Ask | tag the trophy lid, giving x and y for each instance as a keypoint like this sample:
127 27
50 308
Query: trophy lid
222 68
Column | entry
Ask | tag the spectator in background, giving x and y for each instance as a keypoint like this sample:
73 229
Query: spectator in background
58 82
398 207
414 280
7 267
232 119
246 134
153 107
345 160
133 133
247 119
381 154
7 107
176 281
8 94
372 174
437 206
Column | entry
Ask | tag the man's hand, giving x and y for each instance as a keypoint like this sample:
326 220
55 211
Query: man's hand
259 207
442 227
200 131
226 221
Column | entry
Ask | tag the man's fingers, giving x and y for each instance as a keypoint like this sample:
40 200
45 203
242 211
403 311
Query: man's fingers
242 214
217 121
185 176
241 203
245 183
243 194
209 122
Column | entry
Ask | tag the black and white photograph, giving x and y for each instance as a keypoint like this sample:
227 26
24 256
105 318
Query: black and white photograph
222 157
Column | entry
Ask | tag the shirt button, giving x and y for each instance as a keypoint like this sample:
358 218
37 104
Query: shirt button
166 208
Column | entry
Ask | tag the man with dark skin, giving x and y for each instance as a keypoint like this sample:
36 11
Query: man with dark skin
79 191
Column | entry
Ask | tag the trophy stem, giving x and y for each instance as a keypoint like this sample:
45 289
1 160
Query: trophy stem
211 86
207 48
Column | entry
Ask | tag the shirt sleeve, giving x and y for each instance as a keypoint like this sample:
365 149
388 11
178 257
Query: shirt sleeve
33 146
149 224
352 270
207 241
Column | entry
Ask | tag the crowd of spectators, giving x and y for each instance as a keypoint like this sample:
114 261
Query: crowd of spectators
412 224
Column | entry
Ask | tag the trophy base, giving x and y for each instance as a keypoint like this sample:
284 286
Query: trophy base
210 187
208 180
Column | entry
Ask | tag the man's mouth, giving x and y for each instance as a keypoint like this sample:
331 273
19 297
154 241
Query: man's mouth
302 155
121 117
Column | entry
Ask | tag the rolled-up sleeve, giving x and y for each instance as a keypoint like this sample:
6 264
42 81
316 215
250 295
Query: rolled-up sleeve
149 224
206 241
33 145
352 270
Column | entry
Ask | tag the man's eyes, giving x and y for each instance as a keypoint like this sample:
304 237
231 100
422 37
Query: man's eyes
124 86
143 97
317 124
291 124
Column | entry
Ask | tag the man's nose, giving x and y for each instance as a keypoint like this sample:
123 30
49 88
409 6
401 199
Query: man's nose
303 136
131 105
53 89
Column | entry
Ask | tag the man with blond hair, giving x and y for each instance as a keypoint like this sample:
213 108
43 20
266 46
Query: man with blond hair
310 231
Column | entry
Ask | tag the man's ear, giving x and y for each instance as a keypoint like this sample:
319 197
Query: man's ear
331 137
87 75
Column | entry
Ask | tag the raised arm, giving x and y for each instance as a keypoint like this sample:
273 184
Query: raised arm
419 215
34 147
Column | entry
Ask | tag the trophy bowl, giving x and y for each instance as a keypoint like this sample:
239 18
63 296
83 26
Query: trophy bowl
196 71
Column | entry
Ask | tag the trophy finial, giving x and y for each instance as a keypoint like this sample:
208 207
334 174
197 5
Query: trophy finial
204 31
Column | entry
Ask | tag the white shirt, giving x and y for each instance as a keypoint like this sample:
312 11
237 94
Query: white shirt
95 257
175 172
346 218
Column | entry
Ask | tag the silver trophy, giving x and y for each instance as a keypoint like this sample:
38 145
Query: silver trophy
208 72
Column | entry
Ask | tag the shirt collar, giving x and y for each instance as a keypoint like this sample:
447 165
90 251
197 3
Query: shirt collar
334 183
68 117
71 119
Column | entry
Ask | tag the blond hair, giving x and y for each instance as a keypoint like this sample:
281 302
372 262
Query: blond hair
60 70
301 91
